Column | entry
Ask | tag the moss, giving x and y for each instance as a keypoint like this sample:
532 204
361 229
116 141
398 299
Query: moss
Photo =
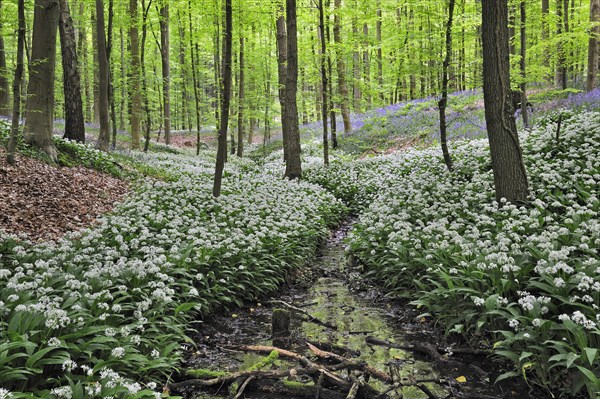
205 374
264 362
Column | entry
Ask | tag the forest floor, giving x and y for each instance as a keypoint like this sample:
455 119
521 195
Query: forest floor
45 202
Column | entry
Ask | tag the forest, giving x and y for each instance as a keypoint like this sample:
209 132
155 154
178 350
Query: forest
299 199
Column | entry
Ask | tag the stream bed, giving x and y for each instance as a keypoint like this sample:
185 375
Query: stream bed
336 294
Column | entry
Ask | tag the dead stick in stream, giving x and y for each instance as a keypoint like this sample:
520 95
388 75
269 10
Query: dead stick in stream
308 316
365 368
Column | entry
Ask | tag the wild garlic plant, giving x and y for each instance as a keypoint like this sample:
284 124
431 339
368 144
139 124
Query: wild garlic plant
528 275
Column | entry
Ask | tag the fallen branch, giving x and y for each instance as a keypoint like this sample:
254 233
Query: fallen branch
303 312
423 349
365 368
240 392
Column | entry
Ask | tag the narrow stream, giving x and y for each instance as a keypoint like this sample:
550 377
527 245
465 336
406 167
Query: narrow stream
338 296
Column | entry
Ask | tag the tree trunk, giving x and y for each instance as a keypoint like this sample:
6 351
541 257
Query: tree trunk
293 167
332 116
96 78
561 69
356 94
592 69
166 69
40 93
4 90
325 84
379 53
104 135
510 177
194 79
16 114
185 113
136 93
225 98
523 85
367 64
341 68
144 79
74 123
444 100
111 87
282 59
240 141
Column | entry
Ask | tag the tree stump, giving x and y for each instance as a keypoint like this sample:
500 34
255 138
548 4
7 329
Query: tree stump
280 327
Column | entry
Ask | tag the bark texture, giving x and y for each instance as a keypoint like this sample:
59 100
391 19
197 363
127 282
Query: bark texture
166 69
443 101
240 141
225 99
592 70
510 177
282 69
4 90
134 76
40 92
16 114
341 68
74 122
293 167
104 135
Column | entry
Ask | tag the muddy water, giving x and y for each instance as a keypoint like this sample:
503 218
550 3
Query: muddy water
338 296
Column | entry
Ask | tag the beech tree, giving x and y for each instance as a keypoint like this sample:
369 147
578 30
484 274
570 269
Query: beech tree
4 91
510 176
104 135
74 122
40 91
444 99
166 68
225 99
16 114
134 75
593 60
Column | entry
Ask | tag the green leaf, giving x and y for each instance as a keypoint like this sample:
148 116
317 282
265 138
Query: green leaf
184 307
590 354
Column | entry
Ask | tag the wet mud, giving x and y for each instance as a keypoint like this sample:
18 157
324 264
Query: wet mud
336 294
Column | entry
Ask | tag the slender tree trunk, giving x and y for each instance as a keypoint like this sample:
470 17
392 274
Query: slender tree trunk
146 100
166 69
546 34
510 177
111 85
367 65
185 118
444 100
240 141
82 50
356 94
523 85
16 114
103 83
96 78
379 52
136 93
325 84
332 116
293 167
225 97
341 68
40 93
194 79
74 123
282 59
592 67
4 90
123 94
561 69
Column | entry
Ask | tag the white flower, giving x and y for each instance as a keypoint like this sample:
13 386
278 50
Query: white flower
5 393
118 352
155 354
52 342
513 323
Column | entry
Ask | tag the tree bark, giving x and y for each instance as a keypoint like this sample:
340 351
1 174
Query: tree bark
510 177
185 113
225 98
240 141
444 100
135 84
592 68
111 85
325 84
293 167
561 69
40 93
166 69
282 70
16 114
341 68
194 79
332 116
104 135
523 86
367 64
379 53
144 79
356 94
74 123
4 90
